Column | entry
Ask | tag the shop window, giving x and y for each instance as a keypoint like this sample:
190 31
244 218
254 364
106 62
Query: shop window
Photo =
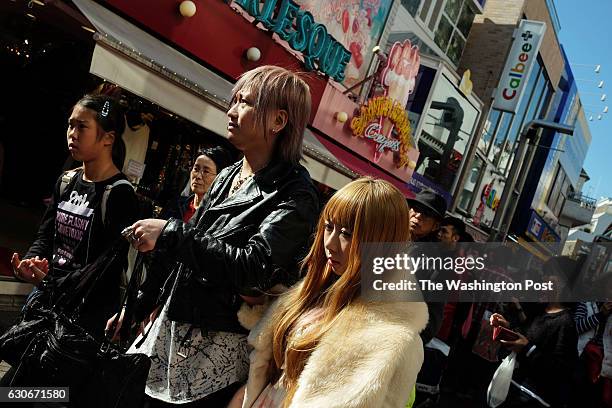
467 194
489 130
500 135
447 128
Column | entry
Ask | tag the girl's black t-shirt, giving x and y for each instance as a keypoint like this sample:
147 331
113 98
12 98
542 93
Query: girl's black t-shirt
72 234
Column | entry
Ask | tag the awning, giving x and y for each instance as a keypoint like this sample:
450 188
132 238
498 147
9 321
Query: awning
360 166
323 166
140 63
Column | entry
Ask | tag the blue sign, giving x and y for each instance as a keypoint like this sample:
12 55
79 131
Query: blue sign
539 230
320 50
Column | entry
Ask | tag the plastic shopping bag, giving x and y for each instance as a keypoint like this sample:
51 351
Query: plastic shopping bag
500 383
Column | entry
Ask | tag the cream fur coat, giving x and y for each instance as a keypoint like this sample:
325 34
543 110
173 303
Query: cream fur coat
369 359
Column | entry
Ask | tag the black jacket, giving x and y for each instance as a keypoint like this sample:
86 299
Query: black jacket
244 244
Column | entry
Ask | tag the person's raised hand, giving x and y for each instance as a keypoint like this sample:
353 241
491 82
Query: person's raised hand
498 320
31 270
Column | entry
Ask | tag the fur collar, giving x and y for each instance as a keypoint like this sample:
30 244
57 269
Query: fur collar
369 358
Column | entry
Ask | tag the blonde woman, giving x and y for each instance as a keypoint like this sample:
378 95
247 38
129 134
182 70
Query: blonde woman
321 344
244 238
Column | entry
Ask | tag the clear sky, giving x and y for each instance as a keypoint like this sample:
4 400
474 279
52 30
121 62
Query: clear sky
586 35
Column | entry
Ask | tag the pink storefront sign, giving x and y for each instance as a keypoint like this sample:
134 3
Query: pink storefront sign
333 103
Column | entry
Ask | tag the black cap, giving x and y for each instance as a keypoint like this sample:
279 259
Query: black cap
430 201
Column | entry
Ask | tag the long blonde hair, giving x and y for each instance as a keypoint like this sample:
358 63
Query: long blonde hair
278 88
374 211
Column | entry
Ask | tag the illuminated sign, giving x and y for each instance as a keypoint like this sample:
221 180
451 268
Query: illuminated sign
521 60
368 124
320 50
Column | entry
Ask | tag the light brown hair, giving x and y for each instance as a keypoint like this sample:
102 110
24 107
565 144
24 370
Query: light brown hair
374 211
278 88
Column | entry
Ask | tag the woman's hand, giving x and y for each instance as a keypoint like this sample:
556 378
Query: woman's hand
516 345
146 233
32 270
113 325
498 320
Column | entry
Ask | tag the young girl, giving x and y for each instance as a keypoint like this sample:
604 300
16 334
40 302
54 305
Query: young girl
73 231
321 344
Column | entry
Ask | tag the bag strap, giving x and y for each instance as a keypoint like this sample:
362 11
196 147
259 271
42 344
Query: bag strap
66 179
68 176
106 194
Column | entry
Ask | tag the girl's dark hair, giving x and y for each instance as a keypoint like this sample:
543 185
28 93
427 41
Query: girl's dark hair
221 156
110 115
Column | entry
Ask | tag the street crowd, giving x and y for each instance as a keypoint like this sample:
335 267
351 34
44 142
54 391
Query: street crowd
252 291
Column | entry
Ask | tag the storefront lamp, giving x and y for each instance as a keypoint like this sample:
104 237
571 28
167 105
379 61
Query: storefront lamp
341 117
187 8
253 54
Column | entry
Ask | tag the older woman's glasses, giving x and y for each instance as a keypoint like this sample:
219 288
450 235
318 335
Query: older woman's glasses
203 171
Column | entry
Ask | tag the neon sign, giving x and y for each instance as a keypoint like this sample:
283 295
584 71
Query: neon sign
320 50
378 108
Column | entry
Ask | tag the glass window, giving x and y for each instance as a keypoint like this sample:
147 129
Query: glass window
554 192
434 15
425 9
452 8
412 6
465 21
471 182
545 101
456 48
500 135
443 33
489 130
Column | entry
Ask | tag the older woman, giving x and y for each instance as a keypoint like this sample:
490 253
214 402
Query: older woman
245 238
205 168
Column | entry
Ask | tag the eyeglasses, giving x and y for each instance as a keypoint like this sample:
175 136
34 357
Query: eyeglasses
203 172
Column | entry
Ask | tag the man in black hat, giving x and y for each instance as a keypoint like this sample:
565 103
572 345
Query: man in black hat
452 229
427 210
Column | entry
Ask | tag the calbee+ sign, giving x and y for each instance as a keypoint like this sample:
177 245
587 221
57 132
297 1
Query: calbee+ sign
520 62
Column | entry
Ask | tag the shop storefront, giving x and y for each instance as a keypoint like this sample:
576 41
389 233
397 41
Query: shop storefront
247 31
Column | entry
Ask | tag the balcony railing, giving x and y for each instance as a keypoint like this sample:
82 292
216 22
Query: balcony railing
583 200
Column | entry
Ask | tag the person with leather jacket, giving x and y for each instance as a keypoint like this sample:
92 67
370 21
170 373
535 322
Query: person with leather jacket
246 236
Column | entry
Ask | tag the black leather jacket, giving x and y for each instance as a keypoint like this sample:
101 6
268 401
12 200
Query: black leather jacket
242 245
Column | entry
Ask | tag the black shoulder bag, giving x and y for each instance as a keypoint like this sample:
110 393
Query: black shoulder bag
48 348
